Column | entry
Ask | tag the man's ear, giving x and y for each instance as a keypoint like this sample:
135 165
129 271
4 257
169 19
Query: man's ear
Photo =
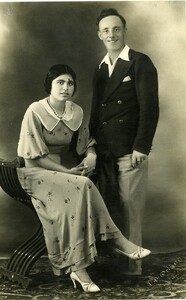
99 35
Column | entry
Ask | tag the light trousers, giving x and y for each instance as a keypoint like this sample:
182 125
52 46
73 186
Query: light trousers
124 191
132 191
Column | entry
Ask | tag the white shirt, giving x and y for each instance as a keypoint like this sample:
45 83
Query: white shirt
124 54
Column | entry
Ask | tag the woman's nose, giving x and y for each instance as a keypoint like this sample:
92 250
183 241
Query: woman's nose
65 86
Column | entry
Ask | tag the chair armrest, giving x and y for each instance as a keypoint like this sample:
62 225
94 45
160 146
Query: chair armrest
18 162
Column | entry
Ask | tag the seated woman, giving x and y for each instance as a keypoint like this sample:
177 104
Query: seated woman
69 206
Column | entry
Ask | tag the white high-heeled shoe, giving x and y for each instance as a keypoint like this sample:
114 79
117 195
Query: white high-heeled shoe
136 255
89 287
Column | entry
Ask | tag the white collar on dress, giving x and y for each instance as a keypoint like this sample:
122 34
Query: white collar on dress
72 116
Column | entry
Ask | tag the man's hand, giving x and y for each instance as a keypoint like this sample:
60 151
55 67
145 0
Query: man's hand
137 158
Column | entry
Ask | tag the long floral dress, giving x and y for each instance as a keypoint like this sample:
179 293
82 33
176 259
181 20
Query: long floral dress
70 208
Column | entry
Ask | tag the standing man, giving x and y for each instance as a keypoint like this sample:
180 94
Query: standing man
123 121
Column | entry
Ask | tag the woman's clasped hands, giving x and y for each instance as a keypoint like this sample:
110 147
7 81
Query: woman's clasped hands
86 167
89 163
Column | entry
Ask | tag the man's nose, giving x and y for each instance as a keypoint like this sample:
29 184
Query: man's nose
111 33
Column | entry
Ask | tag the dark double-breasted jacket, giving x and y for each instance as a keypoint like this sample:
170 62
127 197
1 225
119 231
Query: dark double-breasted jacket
125 107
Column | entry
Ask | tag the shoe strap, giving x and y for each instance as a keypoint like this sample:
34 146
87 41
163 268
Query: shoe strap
87 285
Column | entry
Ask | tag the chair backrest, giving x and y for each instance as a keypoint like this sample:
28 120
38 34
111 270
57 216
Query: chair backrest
9 180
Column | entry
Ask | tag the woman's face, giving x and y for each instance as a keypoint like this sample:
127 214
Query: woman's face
62 87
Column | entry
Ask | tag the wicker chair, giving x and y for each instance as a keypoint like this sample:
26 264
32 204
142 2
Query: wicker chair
24 257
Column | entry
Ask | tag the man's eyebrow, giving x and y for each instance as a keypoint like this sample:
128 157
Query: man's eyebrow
117 26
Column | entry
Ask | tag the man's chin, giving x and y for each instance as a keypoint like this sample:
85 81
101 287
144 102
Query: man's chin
113 47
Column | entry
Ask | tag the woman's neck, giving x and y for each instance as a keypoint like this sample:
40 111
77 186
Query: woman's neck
59 106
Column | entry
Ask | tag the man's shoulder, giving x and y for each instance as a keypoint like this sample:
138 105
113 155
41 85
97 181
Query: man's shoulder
140 58
133 54
97 67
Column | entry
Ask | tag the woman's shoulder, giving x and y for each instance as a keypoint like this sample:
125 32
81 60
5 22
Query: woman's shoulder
73 115
38 105
41 111
76 108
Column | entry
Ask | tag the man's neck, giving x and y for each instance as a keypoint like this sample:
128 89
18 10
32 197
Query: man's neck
114 54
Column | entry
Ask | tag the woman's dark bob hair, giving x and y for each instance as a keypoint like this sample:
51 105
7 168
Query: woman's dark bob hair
56 71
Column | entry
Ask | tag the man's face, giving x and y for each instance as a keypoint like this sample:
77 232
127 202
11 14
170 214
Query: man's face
112 32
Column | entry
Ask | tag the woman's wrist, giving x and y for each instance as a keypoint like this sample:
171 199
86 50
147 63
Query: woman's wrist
91 155
91 151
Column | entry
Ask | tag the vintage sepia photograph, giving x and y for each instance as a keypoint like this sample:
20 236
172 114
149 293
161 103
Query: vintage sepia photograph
92 150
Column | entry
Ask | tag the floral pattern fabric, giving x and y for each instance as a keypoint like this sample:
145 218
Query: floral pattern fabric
70 207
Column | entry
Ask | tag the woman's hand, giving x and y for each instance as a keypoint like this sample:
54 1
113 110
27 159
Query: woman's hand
85 168
76 170
49 164
89 164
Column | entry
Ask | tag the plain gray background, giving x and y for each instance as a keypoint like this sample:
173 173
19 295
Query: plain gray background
34 36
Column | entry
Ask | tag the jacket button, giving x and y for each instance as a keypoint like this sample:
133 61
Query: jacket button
119 101
120 121
104 123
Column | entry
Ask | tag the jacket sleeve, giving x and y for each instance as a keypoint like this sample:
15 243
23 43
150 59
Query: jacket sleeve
94 107
146 83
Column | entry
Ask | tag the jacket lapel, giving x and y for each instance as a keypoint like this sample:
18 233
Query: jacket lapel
103 75
99 83
120 72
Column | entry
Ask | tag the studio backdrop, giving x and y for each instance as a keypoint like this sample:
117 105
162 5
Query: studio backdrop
36 35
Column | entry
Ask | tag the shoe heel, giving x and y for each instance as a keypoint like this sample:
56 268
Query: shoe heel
74 282
89 287
56 272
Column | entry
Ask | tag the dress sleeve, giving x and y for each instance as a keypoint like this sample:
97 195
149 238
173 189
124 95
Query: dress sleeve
84 140
31 142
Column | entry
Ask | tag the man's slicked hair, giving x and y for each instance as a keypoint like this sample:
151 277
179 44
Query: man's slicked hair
110 12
